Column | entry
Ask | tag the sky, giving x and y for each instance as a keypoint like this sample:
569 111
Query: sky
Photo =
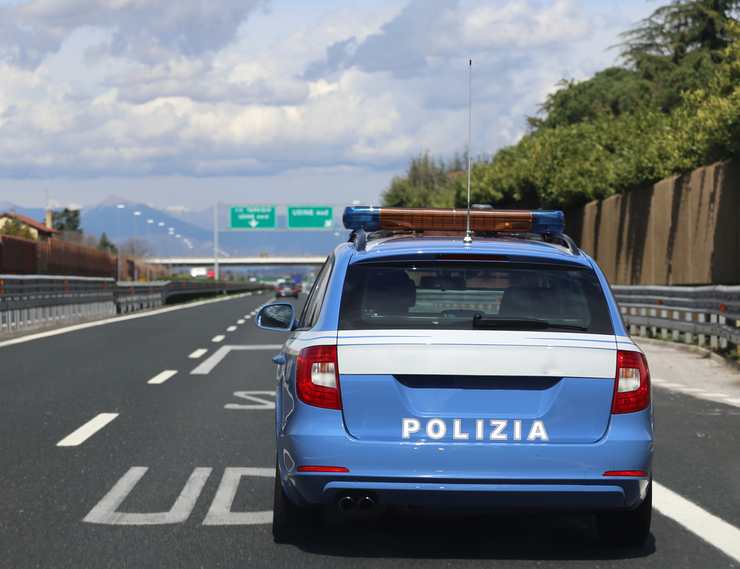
182 104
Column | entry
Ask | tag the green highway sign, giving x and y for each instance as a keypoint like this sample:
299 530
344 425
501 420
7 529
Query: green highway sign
310 217
253 217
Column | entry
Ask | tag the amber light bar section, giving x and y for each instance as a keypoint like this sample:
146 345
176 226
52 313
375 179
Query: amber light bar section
454 220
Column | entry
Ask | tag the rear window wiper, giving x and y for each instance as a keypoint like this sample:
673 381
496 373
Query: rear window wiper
480 321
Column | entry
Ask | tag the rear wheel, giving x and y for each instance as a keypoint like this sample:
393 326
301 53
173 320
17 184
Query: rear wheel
630 528
290 521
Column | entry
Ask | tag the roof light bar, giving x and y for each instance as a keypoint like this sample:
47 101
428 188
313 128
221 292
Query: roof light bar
482 221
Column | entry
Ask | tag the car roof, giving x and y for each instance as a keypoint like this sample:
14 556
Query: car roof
410 245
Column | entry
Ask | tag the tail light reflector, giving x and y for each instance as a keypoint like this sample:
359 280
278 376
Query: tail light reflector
312 468
634 473
632 384
317 377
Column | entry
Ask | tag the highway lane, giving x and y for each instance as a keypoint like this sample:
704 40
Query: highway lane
210 435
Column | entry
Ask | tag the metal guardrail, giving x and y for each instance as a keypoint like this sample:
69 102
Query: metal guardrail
703 315
34 301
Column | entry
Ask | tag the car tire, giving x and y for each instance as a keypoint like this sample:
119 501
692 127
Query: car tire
629 528
290 521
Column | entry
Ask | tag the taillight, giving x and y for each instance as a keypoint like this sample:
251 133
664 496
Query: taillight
632 384
317 377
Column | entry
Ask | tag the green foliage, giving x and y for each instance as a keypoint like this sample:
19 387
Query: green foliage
14 228
105 244
680 27
674 108
427 184
66 220
611 92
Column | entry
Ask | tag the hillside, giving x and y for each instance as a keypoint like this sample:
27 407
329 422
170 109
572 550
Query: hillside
673 105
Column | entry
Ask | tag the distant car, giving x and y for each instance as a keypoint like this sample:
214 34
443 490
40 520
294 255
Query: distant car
436 370
284 290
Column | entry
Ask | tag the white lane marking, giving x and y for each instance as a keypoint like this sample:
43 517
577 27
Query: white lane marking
87 430
231 329
215 358
105 511
258 400
115 319
197 353
220 513
218 338
240 321
163 376
699 393
669 385
710 528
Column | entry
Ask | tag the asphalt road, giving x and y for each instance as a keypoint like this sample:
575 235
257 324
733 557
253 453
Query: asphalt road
180 473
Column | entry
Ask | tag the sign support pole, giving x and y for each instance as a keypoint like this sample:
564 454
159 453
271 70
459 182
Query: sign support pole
215 242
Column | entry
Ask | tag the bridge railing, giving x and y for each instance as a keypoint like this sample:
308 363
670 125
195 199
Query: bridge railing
702 315
29 302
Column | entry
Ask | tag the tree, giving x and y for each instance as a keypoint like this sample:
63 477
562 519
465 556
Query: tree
427 183
105 244
613 92
66 220
680 27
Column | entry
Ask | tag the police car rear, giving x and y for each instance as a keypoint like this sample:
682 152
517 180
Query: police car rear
490 374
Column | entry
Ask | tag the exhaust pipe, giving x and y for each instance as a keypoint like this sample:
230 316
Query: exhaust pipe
346 503
365 503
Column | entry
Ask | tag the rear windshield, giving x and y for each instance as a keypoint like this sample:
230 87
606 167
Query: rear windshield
462 296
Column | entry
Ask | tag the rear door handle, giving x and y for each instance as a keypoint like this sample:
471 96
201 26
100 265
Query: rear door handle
279 359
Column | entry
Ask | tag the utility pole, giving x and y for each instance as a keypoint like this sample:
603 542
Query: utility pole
215 242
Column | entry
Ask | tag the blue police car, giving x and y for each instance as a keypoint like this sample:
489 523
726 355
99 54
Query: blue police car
431 369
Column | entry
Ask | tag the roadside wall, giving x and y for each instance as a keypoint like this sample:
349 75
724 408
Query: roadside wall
684 230
58 257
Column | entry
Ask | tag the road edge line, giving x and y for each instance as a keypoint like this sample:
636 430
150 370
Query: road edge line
714 530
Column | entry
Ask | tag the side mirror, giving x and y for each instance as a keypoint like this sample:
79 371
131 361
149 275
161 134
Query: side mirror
278 317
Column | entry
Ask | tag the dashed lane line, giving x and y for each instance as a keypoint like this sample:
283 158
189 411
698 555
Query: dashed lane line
87 430
240 321
710 528
162 376
215 358
217 339
198 353
231 329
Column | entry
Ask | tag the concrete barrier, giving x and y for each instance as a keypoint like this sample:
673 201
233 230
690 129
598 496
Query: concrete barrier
684 230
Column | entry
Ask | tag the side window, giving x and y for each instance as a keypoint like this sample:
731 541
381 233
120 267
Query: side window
316 298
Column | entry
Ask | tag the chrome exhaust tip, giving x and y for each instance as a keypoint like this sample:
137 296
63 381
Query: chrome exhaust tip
365 503
346 503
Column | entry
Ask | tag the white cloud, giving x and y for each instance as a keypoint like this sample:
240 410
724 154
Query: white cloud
144 29
148 88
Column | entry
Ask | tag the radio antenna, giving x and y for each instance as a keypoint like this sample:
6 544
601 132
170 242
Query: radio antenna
468 234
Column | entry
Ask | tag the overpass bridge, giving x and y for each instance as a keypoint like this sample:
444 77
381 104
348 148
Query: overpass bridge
294 261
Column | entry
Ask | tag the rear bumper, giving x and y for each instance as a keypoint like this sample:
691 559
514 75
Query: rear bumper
575 495
531 476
